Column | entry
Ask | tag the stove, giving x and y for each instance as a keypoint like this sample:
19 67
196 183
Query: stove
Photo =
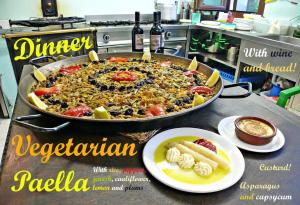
43 22
126 23
114 32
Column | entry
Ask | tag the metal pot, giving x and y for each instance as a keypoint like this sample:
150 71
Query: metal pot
128 125
168 11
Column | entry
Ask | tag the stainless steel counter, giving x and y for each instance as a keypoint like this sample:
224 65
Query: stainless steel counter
251 36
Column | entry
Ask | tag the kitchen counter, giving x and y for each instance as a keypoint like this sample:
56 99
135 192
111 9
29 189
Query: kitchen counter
155 192
251 36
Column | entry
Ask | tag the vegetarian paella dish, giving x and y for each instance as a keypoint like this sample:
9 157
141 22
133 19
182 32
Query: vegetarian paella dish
122 88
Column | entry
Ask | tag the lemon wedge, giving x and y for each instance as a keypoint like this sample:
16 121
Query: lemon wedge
146 56
194 64
213 79
93 56
198 100
39 75
101 113
36 101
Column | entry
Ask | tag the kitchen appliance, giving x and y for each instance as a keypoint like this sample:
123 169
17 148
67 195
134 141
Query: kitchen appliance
128 125
114 32
49 8
168 10
43 22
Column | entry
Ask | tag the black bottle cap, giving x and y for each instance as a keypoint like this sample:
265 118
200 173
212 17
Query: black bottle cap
137 16
155 17
159 15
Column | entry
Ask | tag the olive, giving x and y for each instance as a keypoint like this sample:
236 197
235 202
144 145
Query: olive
122 69
46 96
122 88
137 69
114 68
92 80
114 113
85 65
146 61
110 104
178 102
103 87
95 62
170 109
130 68
186 100
149 81
88 113
129 87
53 101
101 61
150 75
48 85
112 87
64 105
97 74
141 112
141 83
184 70
198 82
144 71
129 111
60 75
52 79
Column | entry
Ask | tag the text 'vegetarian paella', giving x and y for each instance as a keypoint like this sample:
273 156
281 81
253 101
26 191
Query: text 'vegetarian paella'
122 88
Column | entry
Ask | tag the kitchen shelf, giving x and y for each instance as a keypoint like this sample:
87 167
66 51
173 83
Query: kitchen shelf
220 58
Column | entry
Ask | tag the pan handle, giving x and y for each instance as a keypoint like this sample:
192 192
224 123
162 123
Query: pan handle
19 121
34 60
176 50
245 84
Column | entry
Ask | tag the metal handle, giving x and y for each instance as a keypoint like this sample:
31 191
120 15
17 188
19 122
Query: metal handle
177 50
245 84
33 61
19 121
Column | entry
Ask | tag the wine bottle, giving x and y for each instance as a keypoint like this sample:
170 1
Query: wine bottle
162 34
156 40
137 35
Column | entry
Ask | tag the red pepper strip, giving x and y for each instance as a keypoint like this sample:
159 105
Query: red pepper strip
155 110
201 90
70 70
49 91
190 73
118 59
124 76
166 64
77 111
207 144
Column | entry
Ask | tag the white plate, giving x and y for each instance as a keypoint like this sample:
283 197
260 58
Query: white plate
235 156
210 23
226 129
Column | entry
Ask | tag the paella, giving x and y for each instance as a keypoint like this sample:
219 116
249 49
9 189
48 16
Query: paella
122 88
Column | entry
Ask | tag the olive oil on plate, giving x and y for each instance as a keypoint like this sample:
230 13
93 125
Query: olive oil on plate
187 175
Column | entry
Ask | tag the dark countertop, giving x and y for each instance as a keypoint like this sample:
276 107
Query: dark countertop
156 192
